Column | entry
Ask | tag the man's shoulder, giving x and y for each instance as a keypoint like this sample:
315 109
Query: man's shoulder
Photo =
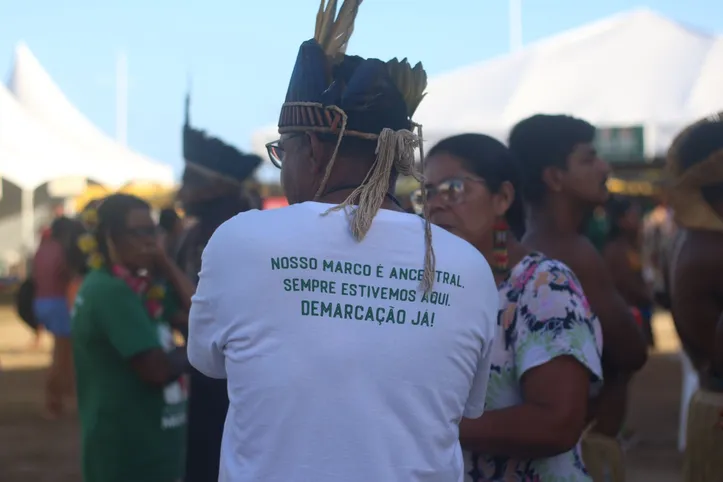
101 283
99 289
247 233
259 218
700 251
454 248
576 251
455 255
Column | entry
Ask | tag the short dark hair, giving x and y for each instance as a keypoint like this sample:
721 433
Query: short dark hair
67 232
489 159
61 227
699 144
112 213
75 257
168 219
543 141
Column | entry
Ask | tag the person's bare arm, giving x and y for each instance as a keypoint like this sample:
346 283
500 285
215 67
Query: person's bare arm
183 287
624 347
627 281
549 422
699 273
159 368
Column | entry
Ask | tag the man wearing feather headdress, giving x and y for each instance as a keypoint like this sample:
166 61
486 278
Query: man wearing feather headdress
695 163
351 350
212 192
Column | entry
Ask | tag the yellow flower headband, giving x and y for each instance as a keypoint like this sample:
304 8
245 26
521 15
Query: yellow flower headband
87 242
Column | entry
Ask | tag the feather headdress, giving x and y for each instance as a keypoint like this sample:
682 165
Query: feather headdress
371 94
686 182
211 157
334 93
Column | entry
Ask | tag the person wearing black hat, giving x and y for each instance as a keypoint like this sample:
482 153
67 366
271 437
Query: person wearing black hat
354 336
212 189
695 165
212 192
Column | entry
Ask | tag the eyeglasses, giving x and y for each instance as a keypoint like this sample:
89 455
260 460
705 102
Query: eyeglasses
276 153
451 191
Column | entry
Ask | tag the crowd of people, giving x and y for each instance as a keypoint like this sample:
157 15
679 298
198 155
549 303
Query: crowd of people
483 338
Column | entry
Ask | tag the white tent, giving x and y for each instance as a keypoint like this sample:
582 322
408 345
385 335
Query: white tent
633 69
44 138
33 153
37 92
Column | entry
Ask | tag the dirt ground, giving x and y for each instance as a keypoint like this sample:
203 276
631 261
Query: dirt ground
33 449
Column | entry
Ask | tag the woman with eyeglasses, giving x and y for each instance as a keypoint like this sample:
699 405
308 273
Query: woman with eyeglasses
546 359
131 395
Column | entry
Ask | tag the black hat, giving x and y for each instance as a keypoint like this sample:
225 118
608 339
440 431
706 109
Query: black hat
330 91
213 157
694 162
334 93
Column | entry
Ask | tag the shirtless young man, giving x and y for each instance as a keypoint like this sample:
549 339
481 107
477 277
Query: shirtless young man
564 180
696 283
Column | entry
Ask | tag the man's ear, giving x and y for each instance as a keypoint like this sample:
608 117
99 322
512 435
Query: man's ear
319 154
552 177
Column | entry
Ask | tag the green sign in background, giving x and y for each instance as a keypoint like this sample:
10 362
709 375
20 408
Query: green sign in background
620 144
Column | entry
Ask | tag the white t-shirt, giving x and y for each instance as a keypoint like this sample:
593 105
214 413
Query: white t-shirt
338 368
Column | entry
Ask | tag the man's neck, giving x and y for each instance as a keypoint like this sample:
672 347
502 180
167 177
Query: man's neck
338 197
557 215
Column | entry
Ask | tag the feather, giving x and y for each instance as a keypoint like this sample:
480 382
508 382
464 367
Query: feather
333 30
373 98
420 86
319 20
324 27
343 29
411 82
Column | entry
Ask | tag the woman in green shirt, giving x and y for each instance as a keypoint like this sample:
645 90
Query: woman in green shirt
131 393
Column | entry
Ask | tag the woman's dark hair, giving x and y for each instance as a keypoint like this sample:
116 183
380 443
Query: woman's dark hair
489 159
616 208
168 219
543 141
61 228
67 231
112 214
75 257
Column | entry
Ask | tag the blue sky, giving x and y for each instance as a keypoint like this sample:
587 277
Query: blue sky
240 53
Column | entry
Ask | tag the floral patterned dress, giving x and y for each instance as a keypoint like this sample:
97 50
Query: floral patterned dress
543 315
